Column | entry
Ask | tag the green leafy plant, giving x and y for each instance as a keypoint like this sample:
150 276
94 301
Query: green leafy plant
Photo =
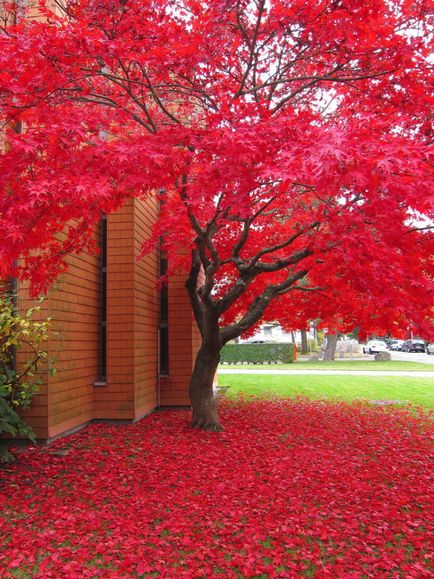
18 384
257 353
312 346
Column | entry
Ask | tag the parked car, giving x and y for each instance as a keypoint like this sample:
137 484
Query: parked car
374 346
430 349
396 345
413 346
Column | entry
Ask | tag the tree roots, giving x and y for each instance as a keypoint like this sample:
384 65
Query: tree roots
203 424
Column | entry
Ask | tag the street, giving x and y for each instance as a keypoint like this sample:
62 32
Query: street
412 357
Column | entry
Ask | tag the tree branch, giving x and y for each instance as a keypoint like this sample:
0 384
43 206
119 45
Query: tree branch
283 245
293 259
242 240
191 286
258 306
251 45
158 100
326 78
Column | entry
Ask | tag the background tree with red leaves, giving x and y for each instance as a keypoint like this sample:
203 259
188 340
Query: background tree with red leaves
291 140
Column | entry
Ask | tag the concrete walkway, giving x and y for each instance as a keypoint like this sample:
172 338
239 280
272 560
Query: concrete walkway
415 374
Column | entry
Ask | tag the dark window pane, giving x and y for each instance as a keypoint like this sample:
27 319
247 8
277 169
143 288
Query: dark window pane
103 311
164 304
164 350
164 319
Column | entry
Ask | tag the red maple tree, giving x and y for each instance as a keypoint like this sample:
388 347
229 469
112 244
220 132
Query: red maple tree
291 140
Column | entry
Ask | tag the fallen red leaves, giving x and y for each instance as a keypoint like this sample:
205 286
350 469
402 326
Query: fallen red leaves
290 489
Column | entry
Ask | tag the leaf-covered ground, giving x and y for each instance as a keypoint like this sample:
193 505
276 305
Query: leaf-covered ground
289 489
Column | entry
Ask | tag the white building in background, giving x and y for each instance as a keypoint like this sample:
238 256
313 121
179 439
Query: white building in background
274 333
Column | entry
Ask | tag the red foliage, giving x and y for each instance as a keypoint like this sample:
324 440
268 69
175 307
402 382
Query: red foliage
224 104
289 489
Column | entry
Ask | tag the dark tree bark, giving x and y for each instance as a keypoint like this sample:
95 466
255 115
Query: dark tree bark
304 342
330 351
201 388
208 310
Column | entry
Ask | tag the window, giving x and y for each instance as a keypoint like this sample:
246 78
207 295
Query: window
103 306
268 331
163 349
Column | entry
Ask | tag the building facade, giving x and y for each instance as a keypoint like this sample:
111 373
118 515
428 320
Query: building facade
121 346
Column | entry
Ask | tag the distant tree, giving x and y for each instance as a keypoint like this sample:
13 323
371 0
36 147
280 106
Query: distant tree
292 140
330 349
304 347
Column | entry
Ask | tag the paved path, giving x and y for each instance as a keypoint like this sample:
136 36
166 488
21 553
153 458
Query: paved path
412 357
415 374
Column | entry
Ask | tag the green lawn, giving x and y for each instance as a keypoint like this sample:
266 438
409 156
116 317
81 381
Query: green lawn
337 365
405 389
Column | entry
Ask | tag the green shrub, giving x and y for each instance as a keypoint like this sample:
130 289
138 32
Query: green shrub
18 331
257 353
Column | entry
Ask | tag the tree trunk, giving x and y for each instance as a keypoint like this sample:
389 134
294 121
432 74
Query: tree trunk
201 388
304 342
330 351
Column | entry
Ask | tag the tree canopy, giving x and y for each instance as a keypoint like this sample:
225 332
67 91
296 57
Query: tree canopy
289 141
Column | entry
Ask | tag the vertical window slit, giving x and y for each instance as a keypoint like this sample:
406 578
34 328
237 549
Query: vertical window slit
164 320
103 310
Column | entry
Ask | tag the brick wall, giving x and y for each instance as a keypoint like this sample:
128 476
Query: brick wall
74 306
116 399
145 311
184 340
65 399
132 316
70 398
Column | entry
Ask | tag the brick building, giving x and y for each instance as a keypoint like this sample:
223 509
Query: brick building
122 346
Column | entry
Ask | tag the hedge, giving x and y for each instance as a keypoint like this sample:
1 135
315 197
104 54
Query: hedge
257 353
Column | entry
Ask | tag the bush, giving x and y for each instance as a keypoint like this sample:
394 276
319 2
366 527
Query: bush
312 345
257 353
18 331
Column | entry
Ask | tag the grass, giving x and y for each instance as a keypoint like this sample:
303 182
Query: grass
337 365
403 388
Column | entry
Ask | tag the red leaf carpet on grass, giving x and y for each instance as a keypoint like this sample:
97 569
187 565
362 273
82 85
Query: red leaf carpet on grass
289 489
